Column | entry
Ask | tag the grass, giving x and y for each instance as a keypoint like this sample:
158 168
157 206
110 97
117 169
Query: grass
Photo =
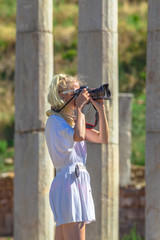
133 235
5 152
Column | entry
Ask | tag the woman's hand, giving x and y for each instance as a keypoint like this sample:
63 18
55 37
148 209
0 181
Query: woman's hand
82 98
98 104
100 136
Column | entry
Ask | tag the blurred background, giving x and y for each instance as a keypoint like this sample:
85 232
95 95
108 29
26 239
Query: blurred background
132 30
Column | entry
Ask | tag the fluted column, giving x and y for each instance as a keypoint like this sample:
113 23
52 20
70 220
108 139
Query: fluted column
152 210
33 218
98 62
125 138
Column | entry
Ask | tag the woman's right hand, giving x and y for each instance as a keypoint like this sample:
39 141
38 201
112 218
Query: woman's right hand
82 98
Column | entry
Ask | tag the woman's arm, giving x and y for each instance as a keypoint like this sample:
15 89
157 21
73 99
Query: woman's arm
80 124
100 136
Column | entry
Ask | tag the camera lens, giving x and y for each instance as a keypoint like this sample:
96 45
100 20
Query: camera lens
100 93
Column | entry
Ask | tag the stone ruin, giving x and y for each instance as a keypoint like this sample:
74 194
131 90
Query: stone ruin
98 59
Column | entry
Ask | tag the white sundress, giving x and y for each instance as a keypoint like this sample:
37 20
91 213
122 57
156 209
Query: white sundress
70 196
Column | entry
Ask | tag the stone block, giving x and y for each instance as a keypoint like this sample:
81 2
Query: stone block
133 215
133 175
1 223
127 202
152 155
142 201
8 161
152 208
33 75
142 214
152 175
94 20
34 16
124 157
131 211
125 112
140 174
153 82
9 224
125 138
153 15
33 176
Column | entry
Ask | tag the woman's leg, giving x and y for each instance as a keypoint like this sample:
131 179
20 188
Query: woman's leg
59 233
74 231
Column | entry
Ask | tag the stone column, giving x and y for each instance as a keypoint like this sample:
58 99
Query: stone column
97 61
33 218
152 209
125 138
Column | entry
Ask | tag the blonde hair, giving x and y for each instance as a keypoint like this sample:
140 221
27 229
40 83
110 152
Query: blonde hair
60 83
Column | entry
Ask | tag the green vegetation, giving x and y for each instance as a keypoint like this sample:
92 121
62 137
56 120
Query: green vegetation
3 147
132 68
7 39
133 235
65 27
132 30
132 46
138 130
5 152
8 10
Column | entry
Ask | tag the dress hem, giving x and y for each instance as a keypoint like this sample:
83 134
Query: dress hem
86 222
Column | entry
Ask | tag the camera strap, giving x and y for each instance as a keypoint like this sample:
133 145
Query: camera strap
88 125
58 110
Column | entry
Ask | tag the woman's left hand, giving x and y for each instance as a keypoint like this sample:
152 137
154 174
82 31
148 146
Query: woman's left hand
98 104
100 136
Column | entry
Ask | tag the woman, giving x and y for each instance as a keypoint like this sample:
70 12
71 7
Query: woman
70 193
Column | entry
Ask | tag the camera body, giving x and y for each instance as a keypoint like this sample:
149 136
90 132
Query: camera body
102 92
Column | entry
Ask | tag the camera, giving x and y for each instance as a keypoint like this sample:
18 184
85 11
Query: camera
102 92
